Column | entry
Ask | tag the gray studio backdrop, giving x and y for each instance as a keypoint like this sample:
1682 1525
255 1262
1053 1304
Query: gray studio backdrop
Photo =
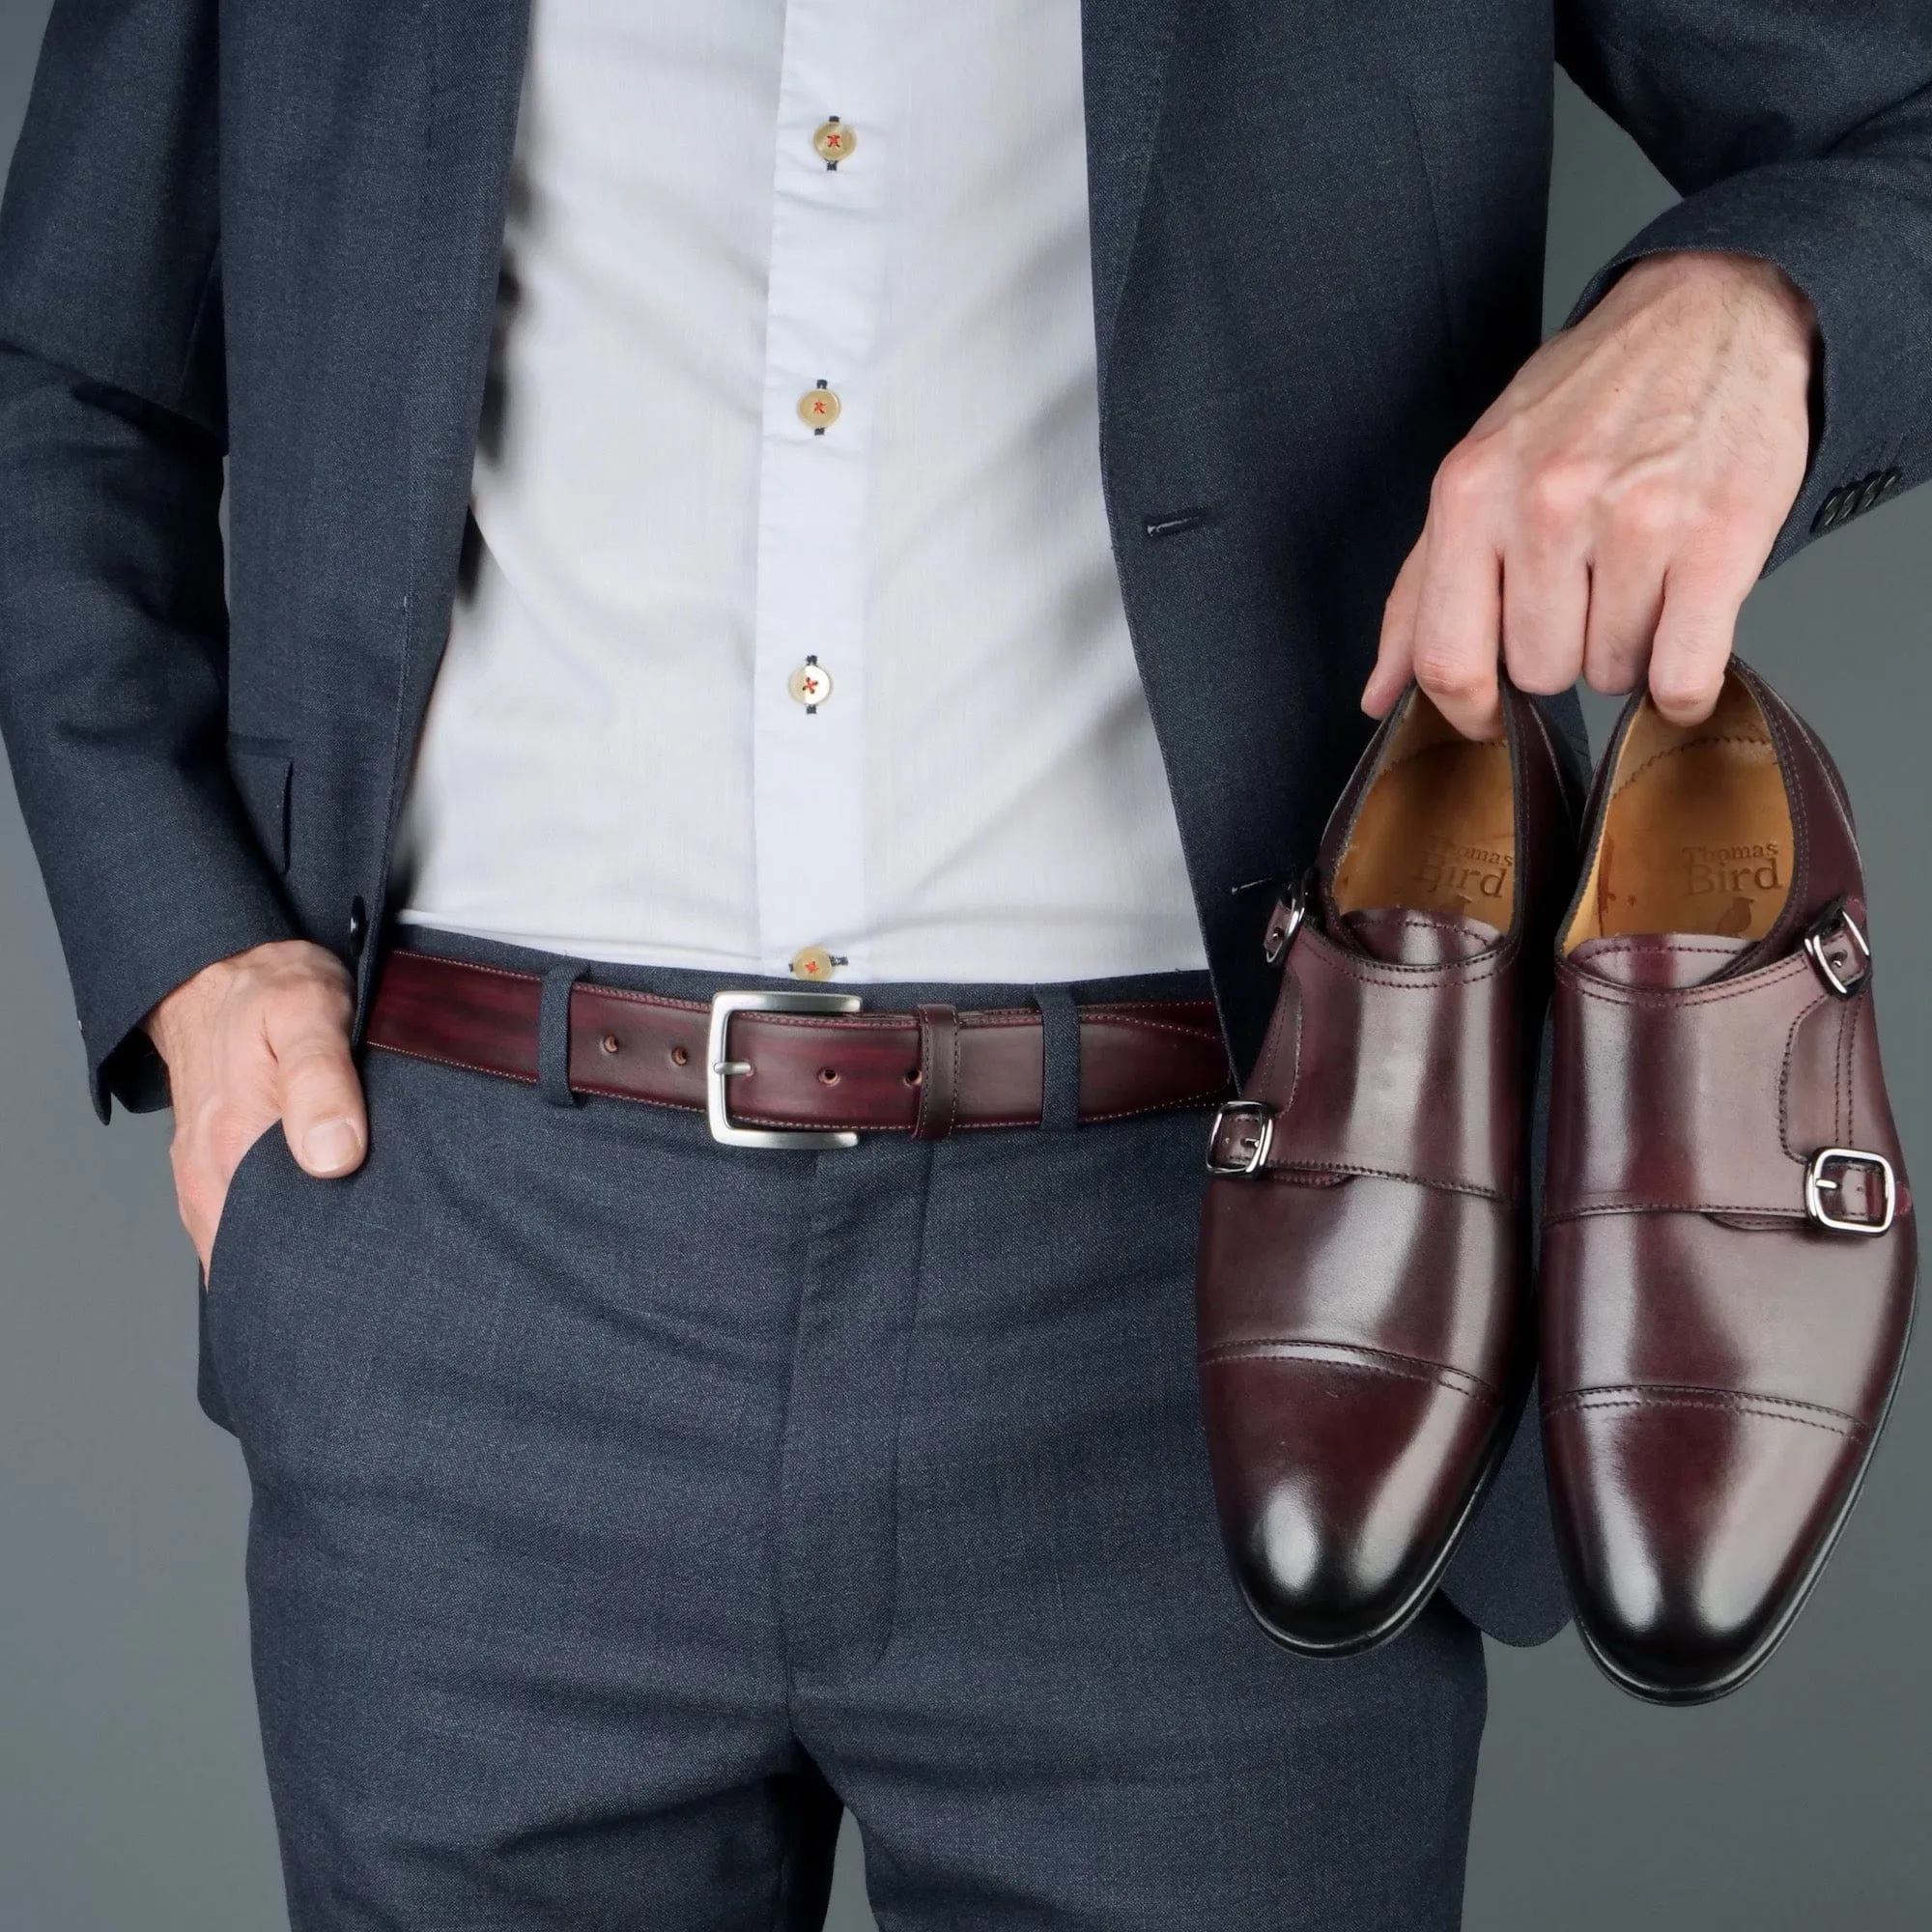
131 1796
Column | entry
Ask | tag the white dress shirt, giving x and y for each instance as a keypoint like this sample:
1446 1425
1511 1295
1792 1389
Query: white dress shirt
793 641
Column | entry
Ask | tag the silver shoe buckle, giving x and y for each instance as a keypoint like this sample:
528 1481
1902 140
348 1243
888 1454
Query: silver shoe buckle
1818 1184
1290 909
1817 949
719 1067
1252 1152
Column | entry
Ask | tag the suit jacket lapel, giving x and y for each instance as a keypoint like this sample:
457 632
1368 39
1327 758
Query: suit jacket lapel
1124 46
474 59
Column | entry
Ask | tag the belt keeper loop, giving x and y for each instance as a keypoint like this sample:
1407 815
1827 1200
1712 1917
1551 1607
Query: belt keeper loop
938 1073
1059 1058
554 1033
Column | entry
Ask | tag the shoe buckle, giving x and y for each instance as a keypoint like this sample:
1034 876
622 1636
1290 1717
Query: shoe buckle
719 1067
1833 923
1819 1180
1290 909
1250 1151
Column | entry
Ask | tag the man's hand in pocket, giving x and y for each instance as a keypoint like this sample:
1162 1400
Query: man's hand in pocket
254 1040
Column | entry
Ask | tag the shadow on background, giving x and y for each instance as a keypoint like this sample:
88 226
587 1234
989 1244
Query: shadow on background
133 1785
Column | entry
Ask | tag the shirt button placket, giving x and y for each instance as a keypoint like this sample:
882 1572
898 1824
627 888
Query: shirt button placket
826 281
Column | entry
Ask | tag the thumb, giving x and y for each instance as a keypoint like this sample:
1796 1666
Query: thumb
323 1115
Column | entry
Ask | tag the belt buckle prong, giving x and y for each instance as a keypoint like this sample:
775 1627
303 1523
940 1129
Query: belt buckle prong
720 1068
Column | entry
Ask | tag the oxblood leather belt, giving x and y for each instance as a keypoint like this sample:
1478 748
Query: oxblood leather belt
803 1069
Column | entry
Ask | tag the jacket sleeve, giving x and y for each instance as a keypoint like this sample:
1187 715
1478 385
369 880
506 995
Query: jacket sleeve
113 622
1799 131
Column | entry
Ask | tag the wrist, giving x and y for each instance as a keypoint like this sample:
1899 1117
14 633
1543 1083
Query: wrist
180 1011
1744 284
186 1011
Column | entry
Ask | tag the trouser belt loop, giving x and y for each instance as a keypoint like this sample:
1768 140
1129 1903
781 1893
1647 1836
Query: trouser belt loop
938 1073
554 1033
1060 1050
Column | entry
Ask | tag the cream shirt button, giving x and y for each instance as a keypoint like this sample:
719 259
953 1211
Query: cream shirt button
812 962
810 684
833 142
819 408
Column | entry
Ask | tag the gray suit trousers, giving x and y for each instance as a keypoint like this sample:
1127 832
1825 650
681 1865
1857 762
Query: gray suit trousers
625 1505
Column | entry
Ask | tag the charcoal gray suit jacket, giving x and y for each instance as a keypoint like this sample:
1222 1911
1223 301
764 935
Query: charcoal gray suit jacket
265 233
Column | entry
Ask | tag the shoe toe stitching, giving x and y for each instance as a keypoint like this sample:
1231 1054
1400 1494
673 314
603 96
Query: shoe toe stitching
1740 1402
1353 1355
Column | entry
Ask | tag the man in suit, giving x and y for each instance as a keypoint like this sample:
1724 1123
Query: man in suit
900 504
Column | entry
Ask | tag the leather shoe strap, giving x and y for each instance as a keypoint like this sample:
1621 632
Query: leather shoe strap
1712 1099
1400 1072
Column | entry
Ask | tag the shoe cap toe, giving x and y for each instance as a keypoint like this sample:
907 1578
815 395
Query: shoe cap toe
1693 1522
1343 1480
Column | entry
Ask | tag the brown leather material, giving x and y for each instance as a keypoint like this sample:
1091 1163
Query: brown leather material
1361 1293
866 1071
1715 1365
1464 1342
1658 958
1355 1046
1749 1076
1404 938
939 1072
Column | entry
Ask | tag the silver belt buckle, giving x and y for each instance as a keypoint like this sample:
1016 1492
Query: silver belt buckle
719 1067
1818 1184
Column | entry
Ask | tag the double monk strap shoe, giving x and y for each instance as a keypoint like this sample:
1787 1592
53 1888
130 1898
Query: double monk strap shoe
1728 1258
1364 1260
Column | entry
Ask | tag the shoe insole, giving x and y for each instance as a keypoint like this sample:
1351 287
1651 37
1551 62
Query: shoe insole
1697 835
1436 832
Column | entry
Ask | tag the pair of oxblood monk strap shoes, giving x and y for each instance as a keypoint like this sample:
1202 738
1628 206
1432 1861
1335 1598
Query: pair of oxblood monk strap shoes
1718 1309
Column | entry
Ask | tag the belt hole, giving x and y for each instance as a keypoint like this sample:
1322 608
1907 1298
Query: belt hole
680 1056
827 1076
609 1042
912 1078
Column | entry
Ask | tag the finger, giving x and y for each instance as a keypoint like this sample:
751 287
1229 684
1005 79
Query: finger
323 1114
1459 631
1626 602
1546 609
1395 656
198 1192
1695 631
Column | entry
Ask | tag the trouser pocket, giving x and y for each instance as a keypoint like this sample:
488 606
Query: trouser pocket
227 1281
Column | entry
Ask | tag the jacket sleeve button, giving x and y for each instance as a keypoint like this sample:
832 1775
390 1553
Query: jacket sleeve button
1827 516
